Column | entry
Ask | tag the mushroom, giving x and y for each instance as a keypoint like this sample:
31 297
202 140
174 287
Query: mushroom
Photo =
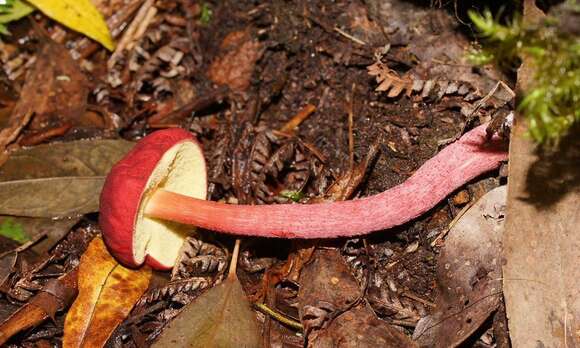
152 195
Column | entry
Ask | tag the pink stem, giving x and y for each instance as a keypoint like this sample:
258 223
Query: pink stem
450 169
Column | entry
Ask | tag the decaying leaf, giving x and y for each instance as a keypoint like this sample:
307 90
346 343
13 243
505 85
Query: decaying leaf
55 89
329 311
235 66
469 275
327 289
75 158
79 15
541 276
51 197
360 327
58 180
221 317
107 293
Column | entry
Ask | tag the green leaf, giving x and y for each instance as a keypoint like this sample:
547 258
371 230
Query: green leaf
79 15
13 11
12 230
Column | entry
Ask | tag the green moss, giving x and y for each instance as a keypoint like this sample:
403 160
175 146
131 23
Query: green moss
294 196
206 14
552 103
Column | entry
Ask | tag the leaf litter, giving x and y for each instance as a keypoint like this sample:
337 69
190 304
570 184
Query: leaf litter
273 61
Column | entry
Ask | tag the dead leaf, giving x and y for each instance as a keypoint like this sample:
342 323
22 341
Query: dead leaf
107 293
75 158
358 328
236 62
51 197
329 311
220 317
55 90
58 180
327 288
468 274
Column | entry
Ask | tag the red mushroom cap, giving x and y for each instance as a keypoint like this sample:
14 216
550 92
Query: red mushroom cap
171 159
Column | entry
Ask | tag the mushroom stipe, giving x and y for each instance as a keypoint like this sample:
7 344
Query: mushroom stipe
172 197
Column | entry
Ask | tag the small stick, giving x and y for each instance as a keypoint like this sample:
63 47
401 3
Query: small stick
278 316
295 121
350 37
350 128
234 261
143 26
129 33
42 306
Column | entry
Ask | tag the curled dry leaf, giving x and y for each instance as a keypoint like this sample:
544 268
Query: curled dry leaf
107 293
468 273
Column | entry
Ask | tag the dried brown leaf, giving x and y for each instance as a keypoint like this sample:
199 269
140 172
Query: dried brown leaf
221 317
58 180
235 65
541 276
51 197
76 158
107 293
469 274
52 229
359 328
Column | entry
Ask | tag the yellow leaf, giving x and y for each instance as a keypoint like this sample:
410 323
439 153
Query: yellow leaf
79 15
107 293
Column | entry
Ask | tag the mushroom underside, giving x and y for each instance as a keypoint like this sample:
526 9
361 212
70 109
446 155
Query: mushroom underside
180 170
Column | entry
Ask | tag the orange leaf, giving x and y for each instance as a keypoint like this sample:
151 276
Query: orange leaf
107 293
